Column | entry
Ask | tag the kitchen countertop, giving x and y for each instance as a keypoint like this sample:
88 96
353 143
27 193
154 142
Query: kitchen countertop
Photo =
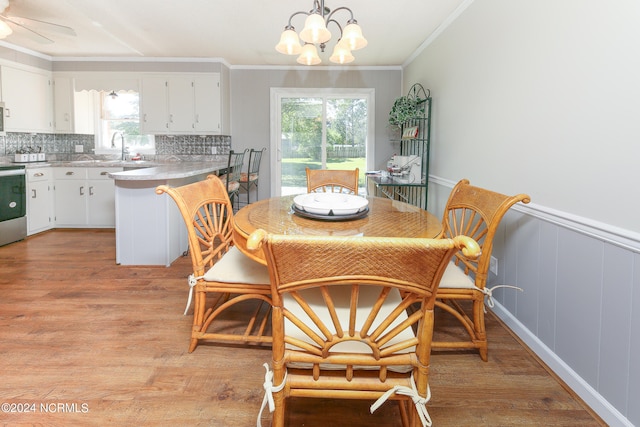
167 171
139 170
88 164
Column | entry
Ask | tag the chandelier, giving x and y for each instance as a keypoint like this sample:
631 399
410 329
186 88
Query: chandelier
315 32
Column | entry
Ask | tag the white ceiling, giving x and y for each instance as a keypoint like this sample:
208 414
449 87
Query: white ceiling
240 32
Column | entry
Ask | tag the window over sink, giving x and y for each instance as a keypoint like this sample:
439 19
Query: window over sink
119 125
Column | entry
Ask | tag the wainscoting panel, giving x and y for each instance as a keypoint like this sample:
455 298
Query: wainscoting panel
578 310
633 395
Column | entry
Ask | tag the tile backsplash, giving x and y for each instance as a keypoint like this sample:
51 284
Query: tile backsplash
61 147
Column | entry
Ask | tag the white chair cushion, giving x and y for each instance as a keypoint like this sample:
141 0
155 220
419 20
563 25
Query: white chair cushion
341 296
236 267
454 278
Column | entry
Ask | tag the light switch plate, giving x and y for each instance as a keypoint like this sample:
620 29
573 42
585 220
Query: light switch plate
493 265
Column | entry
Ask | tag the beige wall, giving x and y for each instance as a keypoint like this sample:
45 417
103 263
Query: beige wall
250 104
540 97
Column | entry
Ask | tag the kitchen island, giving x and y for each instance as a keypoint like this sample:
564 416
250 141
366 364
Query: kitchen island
149 227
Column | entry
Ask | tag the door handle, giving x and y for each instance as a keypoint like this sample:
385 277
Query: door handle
34 193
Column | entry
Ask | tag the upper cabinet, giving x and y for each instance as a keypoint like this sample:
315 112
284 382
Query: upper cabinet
63 104
181 103
28 98
73 111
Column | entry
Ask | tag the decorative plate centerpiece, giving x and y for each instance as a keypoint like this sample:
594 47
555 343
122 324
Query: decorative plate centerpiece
330 206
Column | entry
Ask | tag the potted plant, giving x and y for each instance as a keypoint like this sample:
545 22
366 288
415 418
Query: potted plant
405 108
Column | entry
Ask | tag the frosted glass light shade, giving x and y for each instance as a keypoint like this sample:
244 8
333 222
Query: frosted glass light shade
315 31
309 55
352 34
341 53
289 43
5 30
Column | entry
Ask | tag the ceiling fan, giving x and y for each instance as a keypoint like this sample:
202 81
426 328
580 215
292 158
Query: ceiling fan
27 25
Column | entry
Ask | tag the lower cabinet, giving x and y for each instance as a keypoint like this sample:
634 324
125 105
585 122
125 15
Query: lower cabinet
39 200
84 197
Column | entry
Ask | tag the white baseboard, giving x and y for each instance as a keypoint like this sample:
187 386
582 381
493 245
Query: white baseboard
587 393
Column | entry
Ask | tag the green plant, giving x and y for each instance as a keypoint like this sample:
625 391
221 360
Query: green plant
405 108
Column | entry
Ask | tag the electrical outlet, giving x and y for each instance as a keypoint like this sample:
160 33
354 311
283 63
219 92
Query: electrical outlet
493 265
79 148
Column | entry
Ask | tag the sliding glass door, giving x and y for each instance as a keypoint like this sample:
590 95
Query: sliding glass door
318 129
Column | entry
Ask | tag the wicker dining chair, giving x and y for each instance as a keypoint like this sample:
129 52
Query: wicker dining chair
222 275
332 181
250 178
474 212
340 325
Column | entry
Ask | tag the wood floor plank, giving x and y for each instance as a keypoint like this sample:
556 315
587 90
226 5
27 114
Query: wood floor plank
91 343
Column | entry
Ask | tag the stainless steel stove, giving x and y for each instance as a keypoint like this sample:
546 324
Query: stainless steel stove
13 203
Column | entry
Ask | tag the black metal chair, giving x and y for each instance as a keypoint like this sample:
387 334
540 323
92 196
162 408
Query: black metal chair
250 178
231 177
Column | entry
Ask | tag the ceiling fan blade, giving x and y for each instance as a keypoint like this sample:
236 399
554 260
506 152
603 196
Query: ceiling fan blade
45 25
29 32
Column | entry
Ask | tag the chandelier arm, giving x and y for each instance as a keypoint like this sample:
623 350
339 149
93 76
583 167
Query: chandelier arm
338 24
337 9
291 27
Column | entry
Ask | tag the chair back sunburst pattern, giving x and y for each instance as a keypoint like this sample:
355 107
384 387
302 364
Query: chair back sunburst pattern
475 212
207 205
341 321
332 181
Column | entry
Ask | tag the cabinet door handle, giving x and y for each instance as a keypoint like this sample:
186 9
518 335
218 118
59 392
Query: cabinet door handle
7 112
82 190
197 118
66 117
103 173
170 118
34 193
91 191
38 174
144 118
70 173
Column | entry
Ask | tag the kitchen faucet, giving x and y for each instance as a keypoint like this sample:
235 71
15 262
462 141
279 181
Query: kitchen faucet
125 149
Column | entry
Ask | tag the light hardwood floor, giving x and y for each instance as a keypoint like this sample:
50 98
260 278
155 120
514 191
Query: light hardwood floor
86 342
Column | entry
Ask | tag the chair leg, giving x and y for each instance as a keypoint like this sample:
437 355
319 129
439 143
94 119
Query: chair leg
481 332
199 305
278 414
404 415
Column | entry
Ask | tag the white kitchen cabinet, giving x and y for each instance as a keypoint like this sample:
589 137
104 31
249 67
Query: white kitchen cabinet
181 104
70 196
154 105
208 106
84 197
28 99
63 104
39 200
101 197
73 111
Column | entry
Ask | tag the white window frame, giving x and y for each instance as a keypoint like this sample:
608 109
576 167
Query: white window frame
277 94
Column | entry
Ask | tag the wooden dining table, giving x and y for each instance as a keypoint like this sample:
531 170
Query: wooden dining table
386 218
